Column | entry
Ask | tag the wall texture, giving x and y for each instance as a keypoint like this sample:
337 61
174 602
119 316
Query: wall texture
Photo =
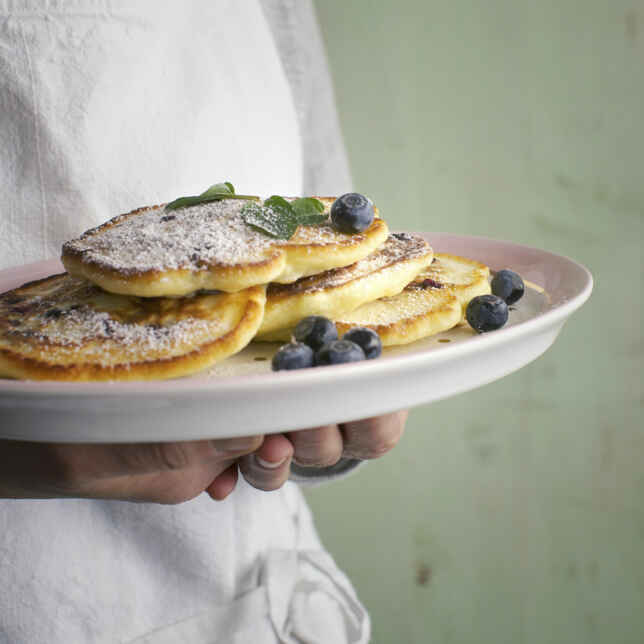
514 513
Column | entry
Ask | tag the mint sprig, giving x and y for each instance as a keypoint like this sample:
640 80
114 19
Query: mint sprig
309 211
216 192
280 218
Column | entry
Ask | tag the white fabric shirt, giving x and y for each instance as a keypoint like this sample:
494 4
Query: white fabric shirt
106 106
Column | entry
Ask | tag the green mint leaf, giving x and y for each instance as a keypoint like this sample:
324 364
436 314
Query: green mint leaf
183 202
312 219
272 219
309 211
307 205
279 204
280 218
216 192
219 189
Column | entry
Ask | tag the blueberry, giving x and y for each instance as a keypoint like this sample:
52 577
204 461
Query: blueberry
339 351
352 213
508 285
365 338
486 313
315 331
295 355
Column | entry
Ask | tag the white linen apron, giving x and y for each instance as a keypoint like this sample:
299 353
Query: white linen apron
106 106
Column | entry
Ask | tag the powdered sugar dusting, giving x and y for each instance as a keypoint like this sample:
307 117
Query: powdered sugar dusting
77 322
193 238
94 329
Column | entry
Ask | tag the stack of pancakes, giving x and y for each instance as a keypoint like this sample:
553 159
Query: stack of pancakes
160 293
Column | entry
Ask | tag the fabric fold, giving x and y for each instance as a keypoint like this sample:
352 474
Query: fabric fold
302 597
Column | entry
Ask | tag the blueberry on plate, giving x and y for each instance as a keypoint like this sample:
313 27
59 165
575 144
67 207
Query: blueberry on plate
508 285
365 338
486 313
295 355
352 213
315 330
337 352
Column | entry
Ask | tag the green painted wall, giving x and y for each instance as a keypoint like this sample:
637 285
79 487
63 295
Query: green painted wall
514 513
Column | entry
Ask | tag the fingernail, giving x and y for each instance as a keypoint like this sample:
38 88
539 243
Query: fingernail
268 464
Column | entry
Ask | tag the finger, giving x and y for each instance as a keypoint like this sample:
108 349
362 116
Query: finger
318 447
224 484
180 455
83 462
268 468
167 487
373 437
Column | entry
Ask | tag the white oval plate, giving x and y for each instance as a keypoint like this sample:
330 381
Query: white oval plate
242 396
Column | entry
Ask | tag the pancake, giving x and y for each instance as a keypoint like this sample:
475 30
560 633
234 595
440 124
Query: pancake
464 278
434 301
152 252
419 311
64 328
331 293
